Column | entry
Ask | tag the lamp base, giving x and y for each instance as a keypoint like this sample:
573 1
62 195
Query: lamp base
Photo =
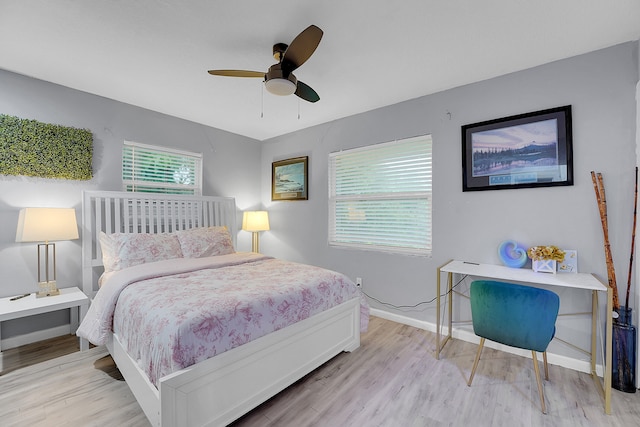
47 289
255 242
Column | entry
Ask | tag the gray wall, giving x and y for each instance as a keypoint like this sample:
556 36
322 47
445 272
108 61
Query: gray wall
231 168
600 86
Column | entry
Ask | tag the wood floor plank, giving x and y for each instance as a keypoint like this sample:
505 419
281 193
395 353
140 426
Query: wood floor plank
392 380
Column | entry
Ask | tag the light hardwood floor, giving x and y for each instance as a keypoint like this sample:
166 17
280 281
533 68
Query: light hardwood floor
391 380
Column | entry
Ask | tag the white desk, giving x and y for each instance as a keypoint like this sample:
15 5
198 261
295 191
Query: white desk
28 306
569 280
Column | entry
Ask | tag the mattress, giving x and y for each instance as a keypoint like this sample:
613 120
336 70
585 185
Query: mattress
172 314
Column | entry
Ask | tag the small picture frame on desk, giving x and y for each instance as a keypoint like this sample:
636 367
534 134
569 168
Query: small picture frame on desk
570 262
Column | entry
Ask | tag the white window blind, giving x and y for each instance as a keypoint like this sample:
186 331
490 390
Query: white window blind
380 197
152 169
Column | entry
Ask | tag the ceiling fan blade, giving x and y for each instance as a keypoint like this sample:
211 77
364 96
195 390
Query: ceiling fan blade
305 92
237 73
301 48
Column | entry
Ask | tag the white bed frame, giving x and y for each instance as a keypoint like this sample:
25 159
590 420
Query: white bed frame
221 389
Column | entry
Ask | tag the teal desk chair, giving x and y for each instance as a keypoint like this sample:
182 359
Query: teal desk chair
517 316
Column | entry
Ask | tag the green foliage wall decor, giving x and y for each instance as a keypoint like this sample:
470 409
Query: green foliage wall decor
33 148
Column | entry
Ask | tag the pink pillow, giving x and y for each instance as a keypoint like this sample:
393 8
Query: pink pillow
203 242
122 250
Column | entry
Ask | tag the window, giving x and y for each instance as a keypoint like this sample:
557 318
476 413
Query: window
380 197
151 169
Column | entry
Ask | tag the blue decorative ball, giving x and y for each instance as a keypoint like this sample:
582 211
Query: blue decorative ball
512 254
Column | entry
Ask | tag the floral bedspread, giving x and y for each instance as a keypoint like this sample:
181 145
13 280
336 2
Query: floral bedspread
175 314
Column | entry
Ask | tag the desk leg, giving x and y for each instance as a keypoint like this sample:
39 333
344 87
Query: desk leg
594 332
605 386
450 299
439 342
438 313
609 349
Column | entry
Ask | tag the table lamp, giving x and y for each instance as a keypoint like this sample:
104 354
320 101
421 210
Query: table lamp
46 225
255 221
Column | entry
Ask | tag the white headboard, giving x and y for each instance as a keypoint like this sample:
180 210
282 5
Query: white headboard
126 212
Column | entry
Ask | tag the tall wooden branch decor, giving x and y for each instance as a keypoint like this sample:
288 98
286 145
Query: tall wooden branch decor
598 186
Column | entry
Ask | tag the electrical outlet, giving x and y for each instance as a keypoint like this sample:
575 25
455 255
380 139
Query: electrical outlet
359 282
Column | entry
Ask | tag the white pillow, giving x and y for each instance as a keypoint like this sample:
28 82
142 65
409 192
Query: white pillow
203 242
122 250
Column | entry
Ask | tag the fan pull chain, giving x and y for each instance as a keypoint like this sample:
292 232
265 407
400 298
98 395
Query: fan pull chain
262 101
298 108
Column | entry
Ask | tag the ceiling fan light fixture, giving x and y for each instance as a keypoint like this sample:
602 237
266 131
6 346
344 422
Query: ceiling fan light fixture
281 87
279 79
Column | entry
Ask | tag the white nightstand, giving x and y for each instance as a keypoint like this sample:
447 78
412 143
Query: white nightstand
72 298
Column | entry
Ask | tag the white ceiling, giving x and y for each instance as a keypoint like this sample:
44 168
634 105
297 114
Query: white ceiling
155 53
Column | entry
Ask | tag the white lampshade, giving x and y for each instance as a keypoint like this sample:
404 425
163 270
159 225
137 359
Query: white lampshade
255 221
46 225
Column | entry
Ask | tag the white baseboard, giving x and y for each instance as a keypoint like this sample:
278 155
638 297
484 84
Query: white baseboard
36 336
554 359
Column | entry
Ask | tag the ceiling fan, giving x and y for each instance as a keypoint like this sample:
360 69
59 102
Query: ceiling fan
279 79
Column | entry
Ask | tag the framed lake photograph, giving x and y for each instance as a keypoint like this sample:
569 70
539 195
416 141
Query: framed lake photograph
289 179
528 150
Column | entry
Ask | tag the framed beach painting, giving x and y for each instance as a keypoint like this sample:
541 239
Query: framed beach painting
528 150
289 179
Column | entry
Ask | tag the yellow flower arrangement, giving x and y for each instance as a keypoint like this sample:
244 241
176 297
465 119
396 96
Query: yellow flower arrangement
538 253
